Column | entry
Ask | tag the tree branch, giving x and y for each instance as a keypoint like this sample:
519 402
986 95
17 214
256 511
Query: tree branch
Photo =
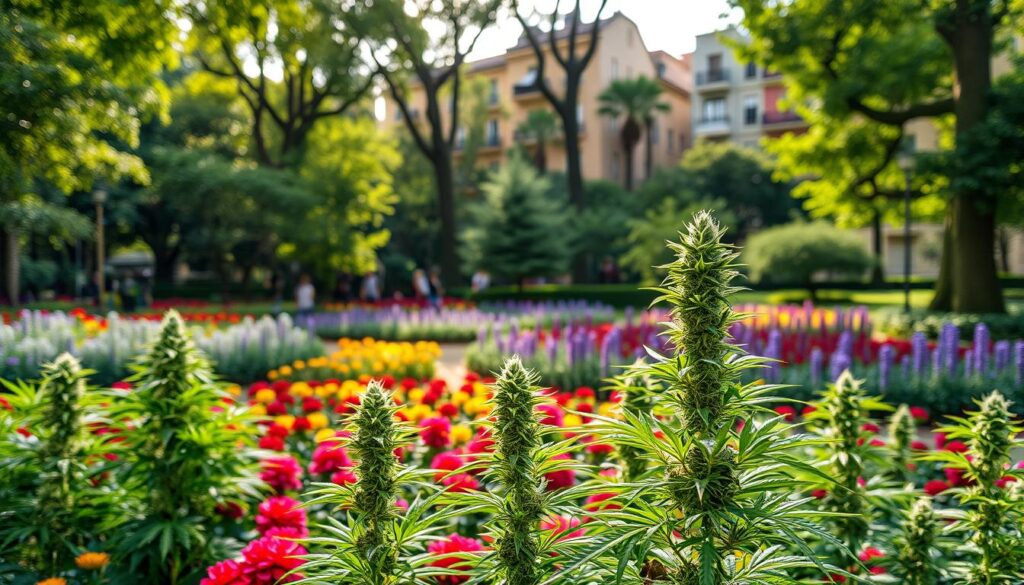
538 52
427 150
594 36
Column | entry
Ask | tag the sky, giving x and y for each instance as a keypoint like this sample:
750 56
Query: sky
667 25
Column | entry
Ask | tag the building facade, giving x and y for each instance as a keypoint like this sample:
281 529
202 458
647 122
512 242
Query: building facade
734 101
620 54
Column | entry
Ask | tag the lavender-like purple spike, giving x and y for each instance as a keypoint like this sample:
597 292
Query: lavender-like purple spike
817 361
1001 356
886 356
919 352
1018 361
980 348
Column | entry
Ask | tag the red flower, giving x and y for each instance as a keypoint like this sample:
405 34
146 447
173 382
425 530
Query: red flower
436 432
935 487
562 527
122 385
462 482
786 411
272 443
225 573
444 462
230 510
562 478
956 446
820 494
301 424
808 410
329 456
585 393
448 409
599 448
282 473
269 558
281 512
920 414
940 440
870 553
276 430
600 502
310 404
453 544
276 408
870 428
919 445
956 477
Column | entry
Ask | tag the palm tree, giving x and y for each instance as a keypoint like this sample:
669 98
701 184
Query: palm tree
540 125
637 101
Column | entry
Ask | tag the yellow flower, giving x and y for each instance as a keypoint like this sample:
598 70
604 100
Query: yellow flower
285 371
327 390
299 365
459 398
272 375
461 434
317 420
609 409
572 420
416 395
323 434
235 390
265 396
285 420
258 410
92 561
52 581
301 389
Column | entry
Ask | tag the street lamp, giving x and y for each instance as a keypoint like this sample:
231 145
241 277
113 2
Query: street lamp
905 160
99 197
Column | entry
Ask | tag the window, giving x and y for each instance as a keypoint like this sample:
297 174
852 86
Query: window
494 92
493 138
750 110
615 68
714 110
669 141
660 68
751 70
715 62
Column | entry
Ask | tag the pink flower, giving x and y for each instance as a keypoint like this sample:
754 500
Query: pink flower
562 527
461 482
453 544
935 487
269 558
553 415
435 432
225 573
444 462
600 448
280 512
329 456
344 477
282 473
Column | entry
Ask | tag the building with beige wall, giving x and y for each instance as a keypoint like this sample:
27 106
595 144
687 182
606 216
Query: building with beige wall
621 54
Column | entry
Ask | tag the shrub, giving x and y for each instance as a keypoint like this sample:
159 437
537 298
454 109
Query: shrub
186 454
796 253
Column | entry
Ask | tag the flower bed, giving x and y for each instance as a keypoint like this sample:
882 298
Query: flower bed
365 357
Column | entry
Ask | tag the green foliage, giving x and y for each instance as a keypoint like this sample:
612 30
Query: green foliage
796 252
374 542
993 515
897 323
539 126
902 432
636 101
50 507
519 231
647 235
187 455
715 504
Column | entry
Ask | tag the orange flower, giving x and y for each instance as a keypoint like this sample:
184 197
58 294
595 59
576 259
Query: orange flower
92 561
52 581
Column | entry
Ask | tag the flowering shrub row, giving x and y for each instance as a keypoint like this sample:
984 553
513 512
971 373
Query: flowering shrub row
365 357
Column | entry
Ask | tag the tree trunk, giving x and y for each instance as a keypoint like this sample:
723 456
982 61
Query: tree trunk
1003 239
943 297
976 283
877 273
540 157
649 153
574 171
12 268
445 183
629 169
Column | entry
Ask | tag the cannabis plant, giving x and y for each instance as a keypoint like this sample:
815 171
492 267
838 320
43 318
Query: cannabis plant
637 394
851 456
49 505
368 540
186 454
918 558
993 516
524 553
719 502
902 431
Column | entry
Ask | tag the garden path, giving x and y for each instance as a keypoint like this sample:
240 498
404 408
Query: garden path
452 365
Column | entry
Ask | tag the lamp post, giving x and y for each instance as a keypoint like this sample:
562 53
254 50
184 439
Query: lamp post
99 197
906 164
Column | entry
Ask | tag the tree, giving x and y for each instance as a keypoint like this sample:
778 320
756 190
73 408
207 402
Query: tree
316 54
573 64
893 62
519 231
636 101
795 253
539 127
742 177
434 61
75 81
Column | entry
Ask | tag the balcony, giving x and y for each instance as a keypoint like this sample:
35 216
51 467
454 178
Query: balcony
713 78
713 127
787 118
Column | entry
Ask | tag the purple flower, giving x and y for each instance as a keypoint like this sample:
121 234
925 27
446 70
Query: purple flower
886 356
980 348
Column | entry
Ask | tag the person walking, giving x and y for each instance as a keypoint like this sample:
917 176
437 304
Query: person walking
305 297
